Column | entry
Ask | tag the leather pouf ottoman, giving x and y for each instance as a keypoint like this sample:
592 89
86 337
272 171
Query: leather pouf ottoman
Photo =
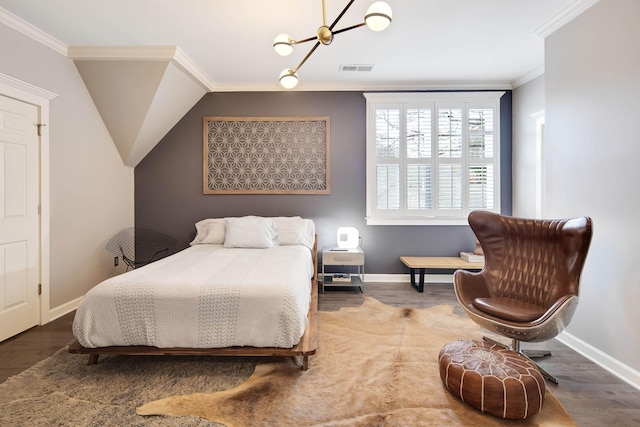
492 378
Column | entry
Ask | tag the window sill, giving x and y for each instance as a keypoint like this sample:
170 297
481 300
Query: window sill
417 221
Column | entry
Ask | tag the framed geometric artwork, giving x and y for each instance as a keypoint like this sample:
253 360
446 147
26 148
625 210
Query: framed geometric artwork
266 155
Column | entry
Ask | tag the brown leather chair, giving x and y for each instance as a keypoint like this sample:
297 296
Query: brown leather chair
528 288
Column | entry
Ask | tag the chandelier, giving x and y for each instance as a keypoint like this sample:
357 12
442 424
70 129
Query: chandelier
377 18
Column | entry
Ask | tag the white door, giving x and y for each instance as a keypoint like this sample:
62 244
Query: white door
19 218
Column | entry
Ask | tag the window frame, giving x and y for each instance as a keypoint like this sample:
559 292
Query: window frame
433 101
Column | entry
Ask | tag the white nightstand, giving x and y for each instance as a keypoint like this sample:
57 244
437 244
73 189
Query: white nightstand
343 257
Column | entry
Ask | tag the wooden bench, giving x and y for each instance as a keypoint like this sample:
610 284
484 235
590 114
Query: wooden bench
421 264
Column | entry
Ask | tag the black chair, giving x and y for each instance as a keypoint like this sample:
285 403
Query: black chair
140 246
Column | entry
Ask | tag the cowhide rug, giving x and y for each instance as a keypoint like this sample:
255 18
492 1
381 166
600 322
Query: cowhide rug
376 365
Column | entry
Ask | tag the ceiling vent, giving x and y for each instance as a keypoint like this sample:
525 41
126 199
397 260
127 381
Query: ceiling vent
356 67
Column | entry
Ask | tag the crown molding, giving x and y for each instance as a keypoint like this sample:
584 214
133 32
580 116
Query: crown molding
143 53
526 78
365 87
127 53
564 17
22 26
189 66
26 87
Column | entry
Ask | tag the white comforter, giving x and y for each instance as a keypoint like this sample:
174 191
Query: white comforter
205 296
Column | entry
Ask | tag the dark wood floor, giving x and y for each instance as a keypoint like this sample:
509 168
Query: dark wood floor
590 394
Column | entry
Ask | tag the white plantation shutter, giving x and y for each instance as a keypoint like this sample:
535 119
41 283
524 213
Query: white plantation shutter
418 157
419 183
481 158
418 133
387 154
450 159
431 157
450 132
388 187
480 186
387 133
449 187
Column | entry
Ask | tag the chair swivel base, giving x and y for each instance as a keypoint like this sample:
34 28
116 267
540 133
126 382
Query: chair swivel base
529 354
535 354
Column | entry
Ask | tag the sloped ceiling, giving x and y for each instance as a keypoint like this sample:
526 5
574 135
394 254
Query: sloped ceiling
141 93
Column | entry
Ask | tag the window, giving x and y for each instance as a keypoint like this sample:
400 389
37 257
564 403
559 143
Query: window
432 157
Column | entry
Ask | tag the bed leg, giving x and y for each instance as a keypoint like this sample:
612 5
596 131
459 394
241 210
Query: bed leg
305 363
93 359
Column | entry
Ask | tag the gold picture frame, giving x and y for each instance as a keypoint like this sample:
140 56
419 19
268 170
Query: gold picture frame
266 155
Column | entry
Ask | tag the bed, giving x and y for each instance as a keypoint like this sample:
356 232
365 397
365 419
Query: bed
246 286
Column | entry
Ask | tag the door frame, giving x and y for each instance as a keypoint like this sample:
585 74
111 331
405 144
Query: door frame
539 117
30 94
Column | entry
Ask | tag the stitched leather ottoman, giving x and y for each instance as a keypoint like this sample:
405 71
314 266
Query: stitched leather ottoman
492 378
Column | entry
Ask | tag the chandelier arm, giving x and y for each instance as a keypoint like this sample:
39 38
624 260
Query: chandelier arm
305 40
295 70
349 28
341 13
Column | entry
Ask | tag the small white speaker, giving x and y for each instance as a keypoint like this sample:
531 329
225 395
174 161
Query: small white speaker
348 237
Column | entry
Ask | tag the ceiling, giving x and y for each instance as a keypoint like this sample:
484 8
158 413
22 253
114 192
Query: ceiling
430 43
147 62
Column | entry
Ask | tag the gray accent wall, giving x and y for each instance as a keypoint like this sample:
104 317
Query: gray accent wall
168 181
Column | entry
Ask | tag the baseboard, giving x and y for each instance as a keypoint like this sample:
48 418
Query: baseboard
63 309
614 366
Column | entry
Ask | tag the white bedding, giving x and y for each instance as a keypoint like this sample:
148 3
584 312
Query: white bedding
206 296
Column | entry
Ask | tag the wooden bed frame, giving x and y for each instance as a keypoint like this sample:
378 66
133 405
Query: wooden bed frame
305 348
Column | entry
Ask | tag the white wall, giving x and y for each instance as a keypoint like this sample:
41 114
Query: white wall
592 79
91 191
528 99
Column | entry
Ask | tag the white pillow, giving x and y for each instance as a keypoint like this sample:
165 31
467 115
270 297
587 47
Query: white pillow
294 230
209 231
250 232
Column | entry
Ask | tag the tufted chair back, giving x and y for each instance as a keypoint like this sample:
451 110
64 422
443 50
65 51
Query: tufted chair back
528 288
530 260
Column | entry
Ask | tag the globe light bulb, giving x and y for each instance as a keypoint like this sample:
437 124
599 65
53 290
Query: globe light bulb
288 79
283 44
378 16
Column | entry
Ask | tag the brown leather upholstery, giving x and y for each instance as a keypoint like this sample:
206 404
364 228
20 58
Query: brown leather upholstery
528 288
492 379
